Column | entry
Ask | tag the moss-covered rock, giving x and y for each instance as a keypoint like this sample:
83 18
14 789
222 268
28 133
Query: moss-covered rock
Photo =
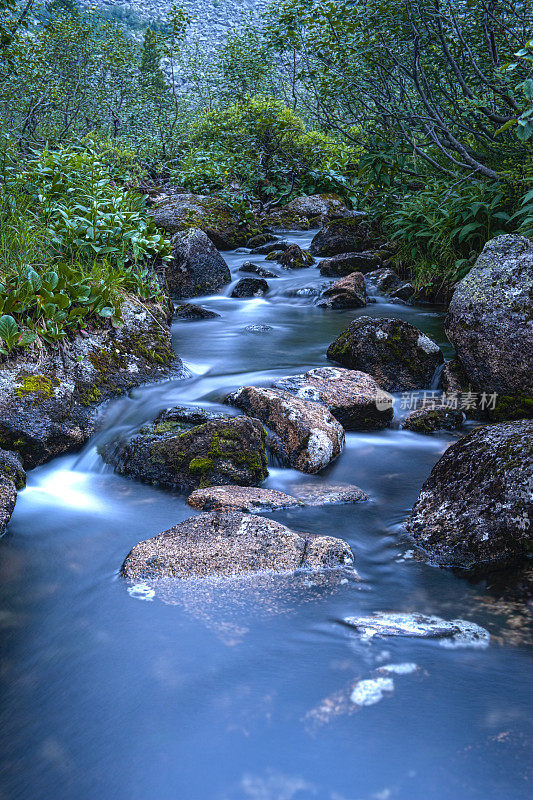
179 212
349 292
345 263
429 420
475 511
396 354
295 258
490 322
48 407
352 235
176 456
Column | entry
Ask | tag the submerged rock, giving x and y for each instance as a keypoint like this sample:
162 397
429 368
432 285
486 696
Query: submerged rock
351 235
396 354
258 329
353 397
196 267
429 420
253 499
307 436
250 287
349 292
248 266
12 478
476 508
231 544
489 319
345 263
48 403
191 311
454 633
174 455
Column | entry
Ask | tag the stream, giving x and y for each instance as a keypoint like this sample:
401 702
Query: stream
239 689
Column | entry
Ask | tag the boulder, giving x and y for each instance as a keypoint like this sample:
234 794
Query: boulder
191 311
179 212
186 416
48 402
352 397
196 267
250 287
396 354
12 478
253 499
429 420
229 545
489 319
176 456
476 508
345 263
352 235
307 436
248 266
260 239
295 258
383 279
349 292
324 206
403 292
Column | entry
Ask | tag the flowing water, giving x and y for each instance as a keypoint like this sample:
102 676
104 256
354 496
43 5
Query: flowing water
243 690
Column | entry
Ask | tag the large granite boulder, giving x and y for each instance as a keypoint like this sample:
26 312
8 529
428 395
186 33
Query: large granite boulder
352 397
196 267
48 402
348 292
12 478
231 544
306 435
490 320
396 354
352 235
174 455
179 212
476 508
345 263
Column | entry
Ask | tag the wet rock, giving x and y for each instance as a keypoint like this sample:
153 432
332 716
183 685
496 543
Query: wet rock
250 287
351 235
175 456
489 319
248 266
196 267
179 212
186 416
352 397
260 239
324 206
231 544
311 495
48 402
12 478
345 263
253 499
295 258
349 292
385 280
313 290
240 498
403 292
429 420
258 329
265 249
191 311
476 508
307 436
396 354
453 633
